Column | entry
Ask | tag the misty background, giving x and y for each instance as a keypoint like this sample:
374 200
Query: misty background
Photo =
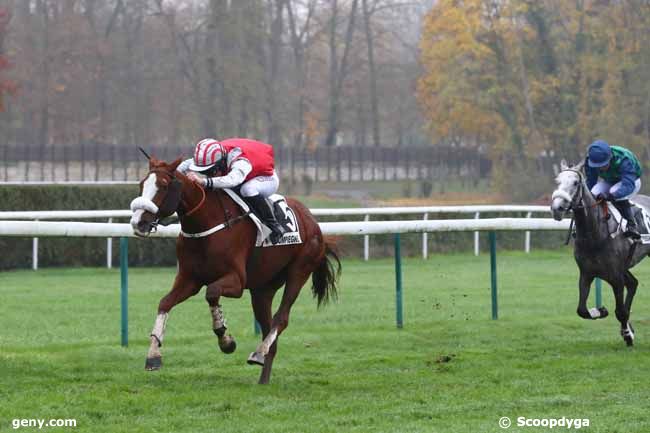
476 95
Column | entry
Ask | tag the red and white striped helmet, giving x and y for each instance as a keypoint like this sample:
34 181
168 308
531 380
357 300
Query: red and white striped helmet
207 154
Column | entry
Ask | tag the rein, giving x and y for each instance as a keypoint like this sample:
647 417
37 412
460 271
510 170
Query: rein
198 206
228 223
175 188
578 204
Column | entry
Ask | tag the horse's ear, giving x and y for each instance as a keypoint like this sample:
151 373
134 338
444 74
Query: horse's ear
563 164
153 163
580 165
175 164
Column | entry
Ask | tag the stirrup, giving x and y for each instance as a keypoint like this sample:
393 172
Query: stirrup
632 231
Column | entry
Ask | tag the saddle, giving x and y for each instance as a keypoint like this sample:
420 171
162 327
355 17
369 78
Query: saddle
617 224
283 214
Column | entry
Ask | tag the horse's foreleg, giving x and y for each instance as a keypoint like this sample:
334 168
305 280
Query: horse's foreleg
584 285
230 286
181 290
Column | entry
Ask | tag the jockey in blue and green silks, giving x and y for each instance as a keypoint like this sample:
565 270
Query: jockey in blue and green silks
620 172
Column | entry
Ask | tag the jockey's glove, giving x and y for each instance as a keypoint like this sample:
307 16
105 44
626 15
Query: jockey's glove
604 196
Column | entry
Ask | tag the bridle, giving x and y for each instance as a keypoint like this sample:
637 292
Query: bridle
173 198
172 201
576 202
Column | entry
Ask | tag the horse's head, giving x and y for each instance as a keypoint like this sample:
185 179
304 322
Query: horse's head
160 195
570 184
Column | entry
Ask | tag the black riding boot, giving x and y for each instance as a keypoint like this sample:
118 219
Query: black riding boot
263 211
625 208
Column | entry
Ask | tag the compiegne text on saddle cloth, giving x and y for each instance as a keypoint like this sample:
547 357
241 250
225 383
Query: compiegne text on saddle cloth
284 214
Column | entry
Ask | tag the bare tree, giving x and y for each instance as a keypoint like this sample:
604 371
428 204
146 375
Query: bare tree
338 70
374 105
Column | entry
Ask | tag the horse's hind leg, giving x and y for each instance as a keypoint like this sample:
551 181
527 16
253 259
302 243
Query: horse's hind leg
631 283
622 314
229 285
262 301
295 280
181 290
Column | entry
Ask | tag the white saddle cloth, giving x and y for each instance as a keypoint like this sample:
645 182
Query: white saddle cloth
288 221
617 224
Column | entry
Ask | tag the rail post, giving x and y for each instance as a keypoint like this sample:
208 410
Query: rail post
493 274
527 240
124 290
366 242
476 239
599 293
109 249
425 239
398 282
35 252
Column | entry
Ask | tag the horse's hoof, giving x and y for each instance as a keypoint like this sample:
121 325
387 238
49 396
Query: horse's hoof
153 363
628 335
256 358
227 344
603 312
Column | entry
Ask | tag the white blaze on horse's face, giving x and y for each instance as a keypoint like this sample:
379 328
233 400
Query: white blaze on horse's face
568 184
143 204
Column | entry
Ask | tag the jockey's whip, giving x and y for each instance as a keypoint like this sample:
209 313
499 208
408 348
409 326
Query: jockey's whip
144 153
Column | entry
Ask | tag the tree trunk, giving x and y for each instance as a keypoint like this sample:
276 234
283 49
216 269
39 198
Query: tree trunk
337 74
374 104
44 126
208 107
275 41
299 60
333 57
361 125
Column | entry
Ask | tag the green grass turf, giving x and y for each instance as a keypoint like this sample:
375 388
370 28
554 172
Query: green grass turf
345 368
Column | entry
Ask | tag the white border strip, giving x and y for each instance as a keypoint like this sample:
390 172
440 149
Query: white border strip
80 229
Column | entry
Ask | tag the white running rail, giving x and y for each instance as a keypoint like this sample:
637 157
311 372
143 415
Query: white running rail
425 211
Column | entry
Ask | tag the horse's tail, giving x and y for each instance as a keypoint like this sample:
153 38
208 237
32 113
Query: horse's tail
325 277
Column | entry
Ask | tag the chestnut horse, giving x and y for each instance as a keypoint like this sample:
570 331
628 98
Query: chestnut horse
216 248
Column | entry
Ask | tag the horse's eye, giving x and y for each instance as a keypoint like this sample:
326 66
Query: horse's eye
575 183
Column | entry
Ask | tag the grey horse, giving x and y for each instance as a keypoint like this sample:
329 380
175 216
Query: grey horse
600 250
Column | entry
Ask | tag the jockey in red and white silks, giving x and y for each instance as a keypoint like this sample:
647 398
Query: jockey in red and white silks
238 162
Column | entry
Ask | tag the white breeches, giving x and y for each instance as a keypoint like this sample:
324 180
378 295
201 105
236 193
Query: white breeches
603 187
261 185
